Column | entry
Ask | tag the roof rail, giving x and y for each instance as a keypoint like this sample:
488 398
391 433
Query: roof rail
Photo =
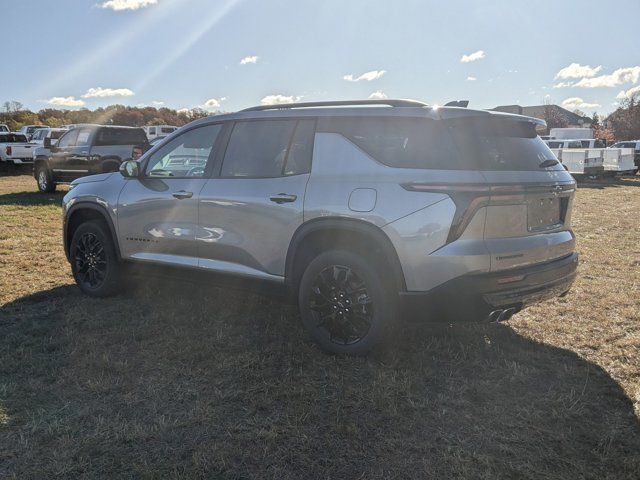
338 103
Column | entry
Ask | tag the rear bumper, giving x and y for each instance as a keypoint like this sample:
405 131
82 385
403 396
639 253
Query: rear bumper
474 297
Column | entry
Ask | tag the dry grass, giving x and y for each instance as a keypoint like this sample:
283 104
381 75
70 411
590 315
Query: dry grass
172 382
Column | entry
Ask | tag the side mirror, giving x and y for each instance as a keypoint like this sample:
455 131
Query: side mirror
130 169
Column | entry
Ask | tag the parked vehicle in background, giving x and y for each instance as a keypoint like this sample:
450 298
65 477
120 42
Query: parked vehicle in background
4 128
362 214
154 131
619 161
15 149
570 133
576 143
635 144
28 130
581 161
153 141
53 133
87 150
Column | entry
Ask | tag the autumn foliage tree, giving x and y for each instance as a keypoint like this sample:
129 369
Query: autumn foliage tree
15 116
625 121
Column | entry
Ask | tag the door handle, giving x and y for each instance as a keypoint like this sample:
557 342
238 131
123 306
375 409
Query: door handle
181 195
283 198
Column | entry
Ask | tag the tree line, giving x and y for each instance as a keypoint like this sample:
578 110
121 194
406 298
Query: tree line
14 115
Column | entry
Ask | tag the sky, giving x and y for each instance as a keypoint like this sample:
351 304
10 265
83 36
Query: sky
232 54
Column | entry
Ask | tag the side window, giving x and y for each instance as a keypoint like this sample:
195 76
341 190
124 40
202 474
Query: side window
152 130
69 139
186 155
269 148
83 137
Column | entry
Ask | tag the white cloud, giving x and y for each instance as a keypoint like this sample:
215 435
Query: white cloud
472 57
157 103
249 59
575 70
66 101
119 5
378 95
620 76
213 103
628 93
278 99
100 92
183 110
563 84
574 103
368 76
471 79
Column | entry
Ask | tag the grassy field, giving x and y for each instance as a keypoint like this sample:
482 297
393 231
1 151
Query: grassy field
171 381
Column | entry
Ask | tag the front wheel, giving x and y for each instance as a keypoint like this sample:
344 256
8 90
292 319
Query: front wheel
94 262
45 182
346 303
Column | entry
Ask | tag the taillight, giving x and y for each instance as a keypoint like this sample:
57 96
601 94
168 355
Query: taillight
137 153
8 150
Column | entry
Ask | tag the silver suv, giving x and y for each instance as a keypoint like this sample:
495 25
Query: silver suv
366 211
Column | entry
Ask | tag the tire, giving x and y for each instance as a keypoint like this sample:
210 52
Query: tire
94 262
364 317
44 180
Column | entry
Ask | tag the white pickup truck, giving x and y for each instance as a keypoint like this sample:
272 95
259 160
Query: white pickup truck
14 148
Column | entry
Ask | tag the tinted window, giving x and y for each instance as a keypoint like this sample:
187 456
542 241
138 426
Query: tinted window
152 130
68 139
167 129
398 142
57 134
185 155
497 144
121 136
258 148
555 144
13 138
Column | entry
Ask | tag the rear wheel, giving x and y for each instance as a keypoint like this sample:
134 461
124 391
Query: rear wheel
94 262
44 179
346 303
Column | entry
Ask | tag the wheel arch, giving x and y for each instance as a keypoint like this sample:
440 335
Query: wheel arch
82 212
322 234
39 160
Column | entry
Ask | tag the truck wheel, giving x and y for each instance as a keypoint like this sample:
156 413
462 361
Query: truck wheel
45 182
347 304
94 262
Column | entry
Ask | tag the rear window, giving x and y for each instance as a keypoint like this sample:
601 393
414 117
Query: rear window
497 144
12 138
167 129
121 136
469 143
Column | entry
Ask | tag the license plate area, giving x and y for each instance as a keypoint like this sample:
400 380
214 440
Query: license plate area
544 214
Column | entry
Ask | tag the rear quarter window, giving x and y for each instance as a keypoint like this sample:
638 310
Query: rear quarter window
403 142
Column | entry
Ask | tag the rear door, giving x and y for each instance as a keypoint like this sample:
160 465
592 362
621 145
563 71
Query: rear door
250 211
158 212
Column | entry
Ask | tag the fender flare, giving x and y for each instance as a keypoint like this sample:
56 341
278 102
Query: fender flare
87 205
350 225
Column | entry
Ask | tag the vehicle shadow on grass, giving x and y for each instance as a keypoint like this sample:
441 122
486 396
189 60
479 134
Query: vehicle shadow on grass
174 381
32 198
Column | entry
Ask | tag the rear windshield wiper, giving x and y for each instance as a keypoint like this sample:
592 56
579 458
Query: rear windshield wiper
549 163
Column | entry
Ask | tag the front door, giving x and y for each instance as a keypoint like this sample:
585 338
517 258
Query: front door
251 209
158 212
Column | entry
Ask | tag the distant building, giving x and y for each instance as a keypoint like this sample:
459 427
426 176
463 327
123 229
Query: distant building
548 112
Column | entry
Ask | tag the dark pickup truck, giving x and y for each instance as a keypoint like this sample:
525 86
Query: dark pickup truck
87 150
